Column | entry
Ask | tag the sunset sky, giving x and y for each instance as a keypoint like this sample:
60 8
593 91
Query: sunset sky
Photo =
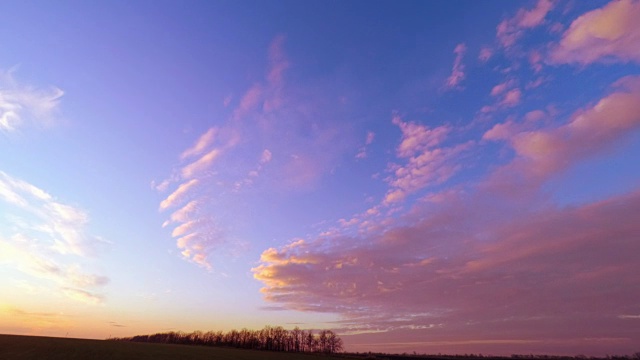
430 176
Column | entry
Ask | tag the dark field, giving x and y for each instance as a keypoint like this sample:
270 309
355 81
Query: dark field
34 347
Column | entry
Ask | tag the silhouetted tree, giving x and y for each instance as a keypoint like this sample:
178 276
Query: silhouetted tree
269 338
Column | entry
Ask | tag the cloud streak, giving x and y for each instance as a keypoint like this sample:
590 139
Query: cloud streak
46 239
457 73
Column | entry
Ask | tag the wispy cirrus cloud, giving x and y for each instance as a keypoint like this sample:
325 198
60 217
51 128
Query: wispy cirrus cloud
23 105
178 194
201 164
457 73
204 141
608 34
271 138
45 238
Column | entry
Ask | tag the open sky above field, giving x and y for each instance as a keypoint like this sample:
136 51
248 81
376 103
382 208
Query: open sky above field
430 176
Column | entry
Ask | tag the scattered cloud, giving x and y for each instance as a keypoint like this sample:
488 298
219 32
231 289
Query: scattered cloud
537 82
278 60
543 152
266 156
272 138
502 87
535 60
362 152
485 54
608 34
417 138
464 260
427 162
535 115
510 30
507 95
511 98
457 73
472 269
46 239
22 105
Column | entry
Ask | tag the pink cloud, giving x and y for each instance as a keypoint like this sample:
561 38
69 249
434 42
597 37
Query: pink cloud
502 87
510 30
278 61
200 165
178 194
544 152
535 116
370 137
536 82
485 54
507 94
183 214
535 16
301 171
182 229
469 265
427 162
460 266
198 238
266 156
203 142
416 138
511 98
611 33
535 60
431 167
502 131
249 102
362 152
457 73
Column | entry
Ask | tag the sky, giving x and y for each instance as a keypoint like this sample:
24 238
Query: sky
430 176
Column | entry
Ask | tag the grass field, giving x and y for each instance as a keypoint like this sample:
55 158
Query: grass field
45 348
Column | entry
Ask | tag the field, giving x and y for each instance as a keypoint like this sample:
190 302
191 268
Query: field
34 347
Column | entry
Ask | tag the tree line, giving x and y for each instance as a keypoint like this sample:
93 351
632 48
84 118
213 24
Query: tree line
269 338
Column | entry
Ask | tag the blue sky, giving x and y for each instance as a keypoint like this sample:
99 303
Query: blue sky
446 177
